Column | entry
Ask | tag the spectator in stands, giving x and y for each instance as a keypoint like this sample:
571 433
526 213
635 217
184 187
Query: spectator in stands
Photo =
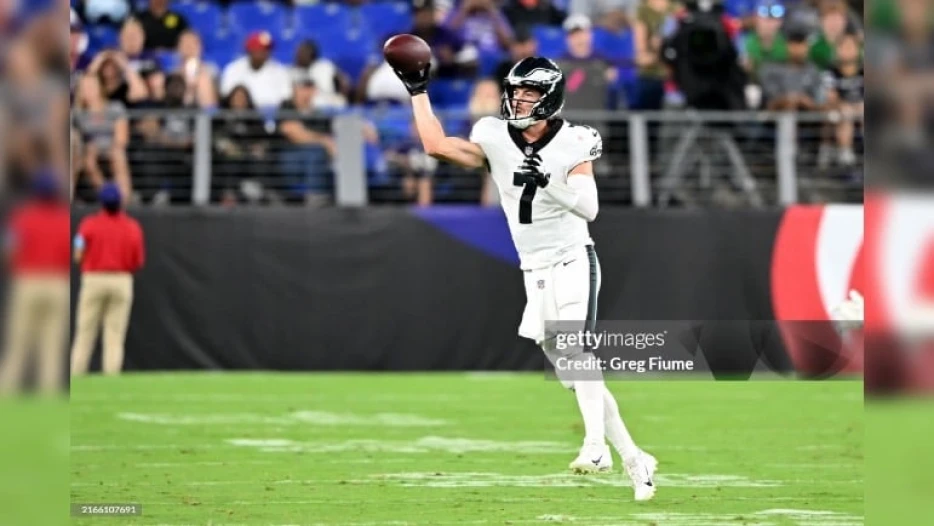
144 63
170 130
268 80
833 23
120 82
614 15
845 83
453 56
240 146
306 160
480 23
651 16
579 47
796 85
331 85
805 16
199 76
379 85
416 168
162 26
105 133
523 46
36 116
168 137
530 13
766 43
77 50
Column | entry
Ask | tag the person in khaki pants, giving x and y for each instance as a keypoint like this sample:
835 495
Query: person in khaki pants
39 256
109 248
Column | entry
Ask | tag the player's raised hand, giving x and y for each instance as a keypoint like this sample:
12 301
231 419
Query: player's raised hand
416 81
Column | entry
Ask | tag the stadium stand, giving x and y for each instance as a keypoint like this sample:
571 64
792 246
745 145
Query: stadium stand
349 36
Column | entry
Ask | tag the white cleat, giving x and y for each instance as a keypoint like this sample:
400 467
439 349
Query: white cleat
593 458
641 471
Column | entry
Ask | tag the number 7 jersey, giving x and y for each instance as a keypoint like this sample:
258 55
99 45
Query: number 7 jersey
542 229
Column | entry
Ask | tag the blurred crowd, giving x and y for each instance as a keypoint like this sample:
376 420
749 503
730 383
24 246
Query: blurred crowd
294 65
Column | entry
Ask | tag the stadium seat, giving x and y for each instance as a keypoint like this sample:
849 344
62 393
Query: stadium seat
222 40
550 41
222 55
321 18
740 8
205 18
350 50
388 18
488 62
244 17
284 46
450 94
101 36
618 47
168 60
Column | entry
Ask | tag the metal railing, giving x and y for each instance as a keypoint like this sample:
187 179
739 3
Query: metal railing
731 159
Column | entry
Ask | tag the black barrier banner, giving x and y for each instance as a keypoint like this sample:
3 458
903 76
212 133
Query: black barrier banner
390 289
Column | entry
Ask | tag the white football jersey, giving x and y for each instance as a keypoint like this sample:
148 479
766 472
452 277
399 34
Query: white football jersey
542 229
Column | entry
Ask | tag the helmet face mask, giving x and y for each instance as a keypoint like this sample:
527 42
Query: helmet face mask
542 75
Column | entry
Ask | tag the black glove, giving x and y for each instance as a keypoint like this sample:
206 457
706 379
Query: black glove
416 82
531 168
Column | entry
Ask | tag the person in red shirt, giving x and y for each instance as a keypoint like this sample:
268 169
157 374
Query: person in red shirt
109 248
39 257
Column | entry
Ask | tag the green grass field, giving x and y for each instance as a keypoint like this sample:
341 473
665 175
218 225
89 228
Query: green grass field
387 449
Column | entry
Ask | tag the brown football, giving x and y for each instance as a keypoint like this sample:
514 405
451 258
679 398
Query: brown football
407 53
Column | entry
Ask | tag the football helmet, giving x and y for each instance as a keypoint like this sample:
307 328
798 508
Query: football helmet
542 74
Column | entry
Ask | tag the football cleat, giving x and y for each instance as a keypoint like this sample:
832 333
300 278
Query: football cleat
641 471
593 458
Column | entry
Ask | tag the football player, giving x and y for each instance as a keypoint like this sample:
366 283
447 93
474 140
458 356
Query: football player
542 166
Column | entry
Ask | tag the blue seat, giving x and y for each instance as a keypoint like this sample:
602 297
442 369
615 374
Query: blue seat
550 41
617 47
389 18
450 94
350 50
203 17
102 36
168 60
245 17
488 60
284 46
220 57
394 125
221 39
740 8
318 19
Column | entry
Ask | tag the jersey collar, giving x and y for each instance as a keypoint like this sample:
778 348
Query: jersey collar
529 148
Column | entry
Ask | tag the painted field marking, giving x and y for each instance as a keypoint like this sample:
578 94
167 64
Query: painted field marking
428 444
424 499
766 518
320 418
487 479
